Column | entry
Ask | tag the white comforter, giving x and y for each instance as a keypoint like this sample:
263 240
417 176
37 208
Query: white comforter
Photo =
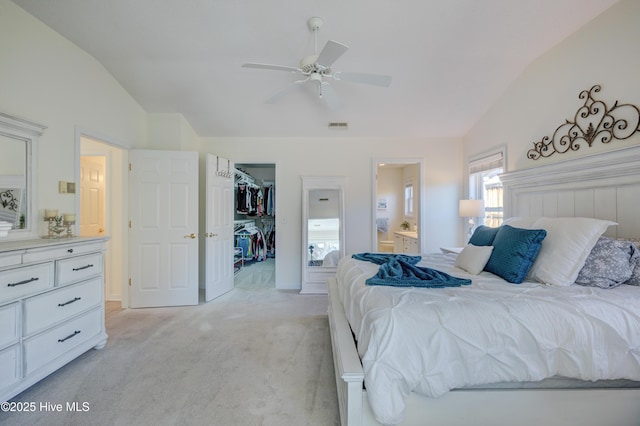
433 340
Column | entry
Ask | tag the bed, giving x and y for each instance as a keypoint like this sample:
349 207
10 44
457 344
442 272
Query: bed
579 365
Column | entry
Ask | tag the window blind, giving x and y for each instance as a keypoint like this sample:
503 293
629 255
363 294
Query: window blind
490 162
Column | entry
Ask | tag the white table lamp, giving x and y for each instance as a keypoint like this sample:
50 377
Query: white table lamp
471 209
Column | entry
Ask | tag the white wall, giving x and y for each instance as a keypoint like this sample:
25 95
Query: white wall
411 173
390 188
604 52
351 158
46 79
170 132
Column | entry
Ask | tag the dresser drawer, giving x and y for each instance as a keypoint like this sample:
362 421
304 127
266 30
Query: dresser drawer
11 258
9 324
9 366
50 308
67 250
45 347
20 282
78 268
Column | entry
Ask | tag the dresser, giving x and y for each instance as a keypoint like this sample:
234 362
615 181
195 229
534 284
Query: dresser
51 307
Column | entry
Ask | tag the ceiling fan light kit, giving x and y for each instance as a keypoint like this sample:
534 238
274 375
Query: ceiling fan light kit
316 67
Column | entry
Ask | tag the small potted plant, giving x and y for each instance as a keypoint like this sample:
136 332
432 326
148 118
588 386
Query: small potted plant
405 225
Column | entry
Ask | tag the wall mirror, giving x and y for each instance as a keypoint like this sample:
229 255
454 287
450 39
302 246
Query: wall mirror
323 230
18 176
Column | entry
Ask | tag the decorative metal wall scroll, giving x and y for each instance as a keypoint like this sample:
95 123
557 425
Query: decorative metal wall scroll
9 200
592 122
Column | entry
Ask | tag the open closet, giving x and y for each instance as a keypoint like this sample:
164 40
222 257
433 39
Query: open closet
255 224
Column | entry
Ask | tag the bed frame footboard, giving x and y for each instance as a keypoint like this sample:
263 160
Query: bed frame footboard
349 374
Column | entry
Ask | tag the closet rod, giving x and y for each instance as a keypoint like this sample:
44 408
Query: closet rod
244 175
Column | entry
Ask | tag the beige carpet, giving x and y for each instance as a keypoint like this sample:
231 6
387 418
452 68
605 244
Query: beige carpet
255 356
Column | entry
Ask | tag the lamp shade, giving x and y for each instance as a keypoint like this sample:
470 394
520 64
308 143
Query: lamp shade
471 208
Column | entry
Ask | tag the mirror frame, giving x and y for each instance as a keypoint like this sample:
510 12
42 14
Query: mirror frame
314 279
29 132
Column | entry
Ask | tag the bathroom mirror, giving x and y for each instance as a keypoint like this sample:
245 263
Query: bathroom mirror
323 230
18 172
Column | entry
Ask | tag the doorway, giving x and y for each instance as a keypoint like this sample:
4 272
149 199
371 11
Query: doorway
101 171
397 213
255 225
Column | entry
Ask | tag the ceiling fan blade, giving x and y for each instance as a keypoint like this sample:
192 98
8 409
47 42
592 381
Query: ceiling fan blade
358 77
329 96
330 53
276 97
272 67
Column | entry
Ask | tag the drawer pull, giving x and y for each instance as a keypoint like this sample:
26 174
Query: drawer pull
23 282
70 251
69 336
83 267
75 299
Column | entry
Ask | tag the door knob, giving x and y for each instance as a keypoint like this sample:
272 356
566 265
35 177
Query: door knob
101 230
192 236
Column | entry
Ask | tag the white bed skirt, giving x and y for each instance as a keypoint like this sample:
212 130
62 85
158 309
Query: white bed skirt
563 407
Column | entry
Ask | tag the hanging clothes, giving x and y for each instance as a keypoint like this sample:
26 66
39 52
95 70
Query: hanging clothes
254 239
241 199
269 200
260 203
243 240
253 201
252 242
270 237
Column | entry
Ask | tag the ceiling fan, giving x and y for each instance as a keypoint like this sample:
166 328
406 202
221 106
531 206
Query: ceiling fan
317 67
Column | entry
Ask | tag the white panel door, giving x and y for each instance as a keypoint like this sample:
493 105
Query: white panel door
163 228
92 196
219 227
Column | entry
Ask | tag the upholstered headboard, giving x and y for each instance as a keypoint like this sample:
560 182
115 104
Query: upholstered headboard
604 186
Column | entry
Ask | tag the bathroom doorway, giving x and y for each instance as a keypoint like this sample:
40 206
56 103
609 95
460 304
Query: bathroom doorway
397 205
100 171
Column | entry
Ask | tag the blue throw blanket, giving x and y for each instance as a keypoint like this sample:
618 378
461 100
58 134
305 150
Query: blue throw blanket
399 270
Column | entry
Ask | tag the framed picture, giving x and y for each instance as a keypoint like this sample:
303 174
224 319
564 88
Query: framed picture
382 203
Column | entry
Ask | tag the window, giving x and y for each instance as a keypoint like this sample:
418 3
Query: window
485 184
408 200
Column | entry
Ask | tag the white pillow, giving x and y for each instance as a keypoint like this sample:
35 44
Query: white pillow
473 258
565 249
525 222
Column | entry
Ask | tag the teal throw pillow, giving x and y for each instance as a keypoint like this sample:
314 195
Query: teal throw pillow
483 236
514 251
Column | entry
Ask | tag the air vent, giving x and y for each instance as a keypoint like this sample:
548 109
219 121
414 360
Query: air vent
338 125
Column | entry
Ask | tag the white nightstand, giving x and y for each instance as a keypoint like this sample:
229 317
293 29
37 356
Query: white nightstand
455 250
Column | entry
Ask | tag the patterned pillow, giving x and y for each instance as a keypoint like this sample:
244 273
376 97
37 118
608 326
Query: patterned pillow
609 264
514 251
635 275
483 236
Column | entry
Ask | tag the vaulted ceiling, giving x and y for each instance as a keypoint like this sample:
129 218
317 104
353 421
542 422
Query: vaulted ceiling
449 59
